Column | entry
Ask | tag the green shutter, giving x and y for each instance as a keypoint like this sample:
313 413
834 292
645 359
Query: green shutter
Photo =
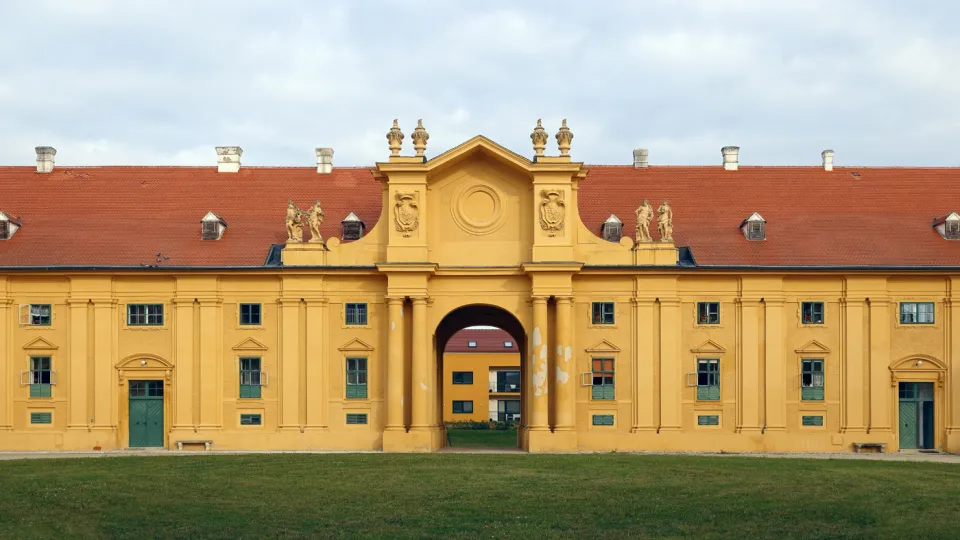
251 420
41 418
708 420
603 392
355 391
249 391
812 420
708 393
603 419
353 418
40 390
811 393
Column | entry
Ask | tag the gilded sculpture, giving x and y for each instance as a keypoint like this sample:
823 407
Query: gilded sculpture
294 224
406 213
644 215
539 138
314 220
564 137
552 210
420 137
394 139
665 222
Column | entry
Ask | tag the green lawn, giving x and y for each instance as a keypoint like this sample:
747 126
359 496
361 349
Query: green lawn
476 495
482 438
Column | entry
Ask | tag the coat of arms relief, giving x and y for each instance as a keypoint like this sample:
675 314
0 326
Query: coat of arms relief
552 211
406 213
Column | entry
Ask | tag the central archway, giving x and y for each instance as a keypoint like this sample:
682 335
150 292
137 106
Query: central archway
482 315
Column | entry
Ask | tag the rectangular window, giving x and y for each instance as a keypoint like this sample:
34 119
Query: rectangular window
603 313
250 378
812 420
356 378
251 420
462 377
41 418
35 314
464 407
812 312
356 314
708 420
916 313
40 377
708 380
144 314
507 344
811 380
603 378
4 229
708 312
472 344
507 381
508 410
354 418
250 315
603 419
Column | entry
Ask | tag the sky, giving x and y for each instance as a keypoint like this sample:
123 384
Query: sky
136 82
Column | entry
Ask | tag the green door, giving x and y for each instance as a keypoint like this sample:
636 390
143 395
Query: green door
908 424
916 415
146 414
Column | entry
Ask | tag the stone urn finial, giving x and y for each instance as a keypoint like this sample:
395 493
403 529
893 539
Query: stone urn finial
539 138
564 136
420 137
394 139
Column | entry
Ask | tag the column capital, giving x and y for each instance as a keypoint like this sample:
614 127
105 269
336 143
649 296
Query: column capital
73 302
539 299
394 299
564 299
315 300
669 302
882 301
420 299
851 301
288 301
104 302
776 301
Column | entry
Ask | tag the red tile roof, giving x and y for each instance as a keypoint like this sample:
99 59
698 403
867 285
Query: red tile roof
488 341
124 216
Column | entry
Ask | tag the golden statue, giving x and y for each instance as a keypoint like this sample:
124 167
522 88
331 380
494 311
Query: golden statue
294 225
665 222
644 215
314 220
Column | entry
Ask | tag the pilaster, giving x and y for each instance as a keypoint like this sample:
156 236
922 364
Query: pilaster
880 405
775 391
211 360
183 363
316 399
853 364
6 379
104 361
395 369
421 392
644 373
78 417
566 372
289 363
952 386
671 373
749 366
537 392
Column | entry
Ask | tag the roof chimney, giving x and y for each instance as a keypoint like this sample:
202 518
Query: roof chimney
228 158
731 157
641 158
324 160
827 156
45 158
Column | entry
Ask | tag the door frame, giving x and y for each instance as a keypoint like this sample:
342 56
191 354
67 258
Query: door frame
920 368
143 367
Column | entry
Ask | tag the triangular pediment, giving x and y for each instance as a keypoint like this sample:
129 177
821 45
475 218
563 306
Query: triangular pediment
708 346
481 144
813 346
356 344
40 344
249 344
603 346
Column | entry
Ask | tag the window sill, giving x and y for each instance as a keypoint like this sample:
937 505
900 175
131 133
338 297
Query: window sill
703 405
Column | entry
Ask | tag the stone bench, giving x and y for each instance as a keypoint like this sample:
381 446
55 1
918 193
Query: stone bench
857 446
206 444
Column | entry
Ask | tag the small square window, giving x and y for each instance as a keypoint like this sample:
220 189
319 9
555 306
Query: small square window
507 344
462 377
144 314
250 314
951 230
811 312
708 312
916 313
463 407
472 344
603 313
356 313
36 314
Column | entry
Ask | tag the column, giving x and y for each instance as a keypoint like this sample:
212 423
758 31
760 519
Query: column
316 383
289 363
422 393
566 381
539 400
775 389
6 394
671 376
853 346
395 375
644 375
749 369
183 363
211 395
880 365
104 394
78 417
952 386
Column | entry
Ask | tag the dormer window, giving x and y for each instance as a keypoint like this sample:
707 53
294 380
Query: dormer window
8 227
352 227
212 227
612 229
948 226
754 227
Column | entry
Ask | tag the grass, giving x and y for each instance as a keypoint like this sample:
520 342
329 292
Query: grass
473 495
482 438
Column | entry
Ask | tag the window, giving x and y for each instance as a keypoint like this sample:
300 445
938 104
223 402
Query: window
811 312
916 313
507 381
603 378
4 229
708 420
612 229
356 378
811 380
708 312
462 407
708 380
251 420
209 230
40 377
250 378
462 377
472 344
356 314
35 314
507 344
951 230
250 314
755 231
354 418
603 419
145 314
146 388
508 410
41 418
812 420
603 313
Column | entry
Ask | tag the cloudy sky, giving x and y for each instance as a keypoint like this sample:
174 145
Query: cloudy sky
163 82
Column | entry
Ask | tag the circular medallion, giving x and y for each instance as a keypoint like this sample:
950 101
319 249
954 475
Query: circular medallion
478 208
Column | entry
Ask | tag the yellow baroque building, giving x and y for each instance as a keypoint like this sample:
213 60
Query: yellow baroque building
792 309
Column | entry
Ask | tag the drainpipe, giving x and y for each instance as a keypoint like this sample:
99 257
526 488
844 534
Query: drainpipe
763 429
